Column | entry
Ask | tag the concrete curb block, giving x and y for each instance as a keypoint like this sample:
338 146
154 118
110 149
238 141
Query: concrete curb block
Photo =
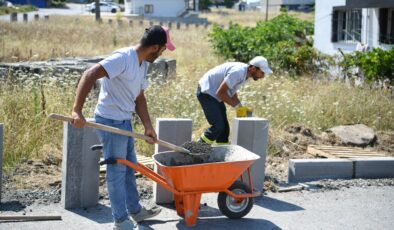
376 167
303 170
176 131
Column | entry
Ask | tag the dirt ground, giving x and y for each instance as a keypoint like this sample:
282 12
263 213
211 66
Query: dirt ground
39 181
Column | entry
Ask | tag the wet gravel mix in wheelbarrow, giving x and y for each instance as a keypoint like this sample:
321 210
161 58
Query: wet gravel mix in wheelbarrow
198 148
207 154
197 152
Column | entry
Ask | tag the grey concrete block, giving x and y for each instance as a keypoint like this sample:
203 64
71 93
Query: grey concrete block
252 134
1 156
376 167
302 170
14 17
176 131
80 169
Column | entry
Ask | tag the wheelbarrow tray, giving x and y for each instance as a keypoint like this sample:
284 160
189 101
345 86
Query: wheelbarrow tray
212 173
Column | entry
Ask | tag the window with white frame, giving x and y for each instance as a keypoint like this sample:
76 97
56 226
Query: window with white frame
386 25
148 9
346 25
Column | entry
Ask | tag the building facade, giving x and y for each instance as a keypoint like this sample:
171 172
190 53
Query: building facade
353 24
161 8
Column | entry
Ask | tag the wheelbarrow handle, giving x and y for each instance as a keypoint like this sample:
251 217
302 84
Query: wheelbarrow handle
121 132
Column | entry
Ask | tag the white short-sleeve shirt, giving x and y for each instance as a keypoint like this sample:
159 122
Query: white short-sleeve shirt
233 73
119 90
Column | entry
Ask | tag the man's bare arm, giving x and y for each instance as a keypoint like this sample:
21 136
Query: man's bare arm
222 94
141 109
86 83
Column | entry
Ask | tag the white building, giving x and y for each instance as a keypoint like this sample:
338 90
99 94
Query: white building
346 24
161 8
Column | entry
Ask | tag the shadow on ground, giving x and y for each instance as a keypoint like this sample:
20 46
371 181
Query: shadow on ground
14 206
228 224
276 205
100 213
222 222
203 211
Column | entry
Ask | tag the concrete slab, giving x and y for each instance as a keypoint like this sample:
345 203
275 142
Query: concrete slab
252 134
80 168
375 167
302 170
176 131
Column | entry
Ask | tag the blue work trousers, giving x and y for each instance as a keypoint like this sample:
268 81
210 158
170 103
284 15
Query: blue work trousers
121 184
215 113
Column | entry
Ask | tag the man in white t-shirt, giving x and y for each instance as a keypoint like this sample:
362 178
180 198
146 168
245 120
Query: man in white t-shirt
123 81
220 85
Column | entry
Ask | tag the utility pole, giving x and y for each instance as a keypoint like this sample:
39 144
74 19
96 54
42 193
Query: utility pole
266 11
97 10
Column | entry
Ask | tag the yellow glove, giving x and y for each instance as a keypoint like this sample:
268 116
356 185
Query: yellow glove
242 111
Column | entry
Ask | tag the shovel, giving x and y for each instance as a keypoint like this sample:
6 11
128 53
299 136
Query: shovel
122 132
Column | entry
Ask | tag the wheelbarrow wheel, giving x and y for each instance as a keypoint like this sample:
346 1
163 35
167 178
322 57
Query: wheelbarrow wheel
232 208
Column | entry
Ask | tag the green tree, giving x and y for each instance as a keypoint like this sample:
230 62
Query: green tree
204 4
229 3
284 41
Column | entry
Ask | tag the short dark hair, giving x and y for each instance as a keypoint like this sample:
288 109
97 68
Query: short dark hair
155 35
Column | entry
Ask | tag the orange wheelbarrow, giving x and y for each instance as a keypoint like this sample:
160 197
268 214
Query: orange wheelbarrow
187 182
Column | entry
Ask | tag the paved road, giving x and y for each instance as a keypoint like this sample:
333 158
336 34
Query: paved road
348 208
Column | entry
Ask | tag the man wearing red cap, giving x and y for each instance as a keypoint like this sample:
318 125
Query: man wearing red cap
123 81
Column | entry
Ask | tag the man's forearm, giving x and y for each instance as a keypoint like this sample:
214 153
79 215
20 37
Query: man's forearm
232 101
141 109
83 89
236 100
222 94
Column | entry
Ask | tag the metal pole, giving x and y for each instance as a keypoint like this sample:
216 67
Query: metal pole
97 10
266 11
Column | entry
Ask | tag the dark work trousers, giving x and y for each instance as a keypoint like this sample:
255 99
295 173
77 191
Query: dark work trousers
215 112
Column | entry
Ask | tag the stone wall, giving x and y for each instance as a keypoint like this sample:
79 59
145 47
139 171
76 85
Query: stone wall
69 70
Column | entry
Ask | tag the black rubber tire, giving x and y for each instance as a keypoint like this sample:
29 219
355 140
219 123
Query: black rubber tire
113 11
245 206
93 11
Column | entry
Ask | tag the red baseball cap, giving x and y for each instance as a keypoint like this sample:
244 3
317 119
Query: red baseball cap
169 44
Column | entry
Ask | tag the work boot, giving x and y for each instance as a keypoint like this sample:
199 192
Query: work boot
222 143
200 140
204 139
145 214
127 224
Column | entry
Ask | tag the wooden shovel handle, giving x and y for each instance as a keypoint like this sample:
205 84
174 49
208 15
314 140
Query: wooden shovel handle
122 132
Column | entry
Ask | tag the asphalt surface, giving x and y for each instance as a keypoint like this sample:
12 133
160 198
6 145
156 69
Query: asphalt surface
347 208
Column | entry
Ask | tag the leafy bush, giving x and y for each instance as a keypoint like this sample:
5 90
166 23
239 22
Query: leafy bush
58 3
376 64
204 4
284 41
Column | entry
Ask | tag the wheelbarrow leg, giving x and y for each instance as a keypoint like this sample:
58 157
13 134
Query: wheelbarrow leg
179 205
191 203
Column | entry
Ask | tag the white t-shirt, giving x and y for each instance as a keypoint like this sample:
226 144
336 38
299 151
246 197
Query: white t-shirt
233 73
119 90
